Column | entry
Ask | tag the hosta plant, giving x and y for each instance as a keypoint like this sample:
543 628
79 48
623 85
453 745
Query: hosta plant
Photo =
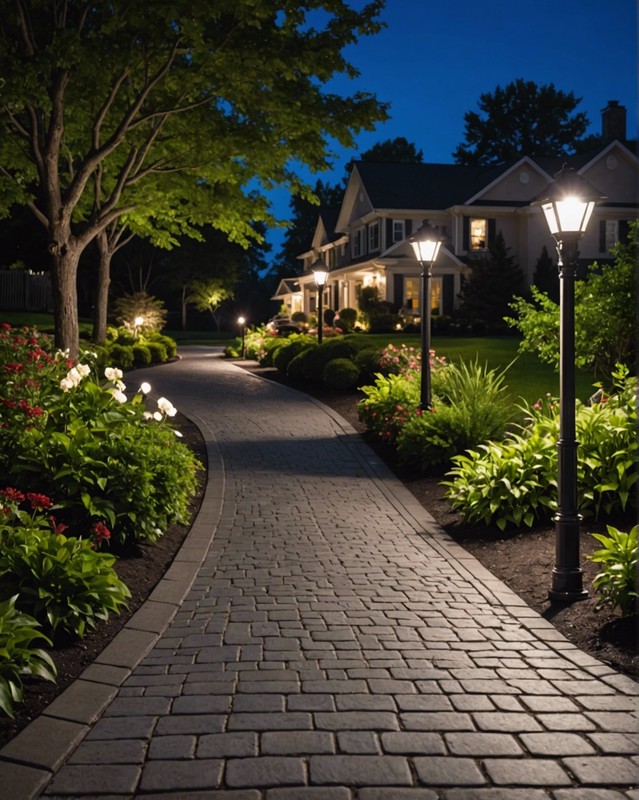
616 584
64 582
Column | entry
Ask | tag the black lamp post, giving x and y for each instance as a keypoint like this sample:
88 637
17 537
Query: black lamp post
568 205
321 274
426 244
242 323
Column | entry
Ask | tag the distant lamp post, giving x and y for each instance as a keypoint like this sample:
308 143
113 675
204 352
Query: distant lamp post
426 244
321 274
241 321
567 205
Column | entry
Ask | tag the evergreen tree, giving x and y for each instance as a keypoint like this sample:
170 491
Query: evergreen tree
546 275
489 289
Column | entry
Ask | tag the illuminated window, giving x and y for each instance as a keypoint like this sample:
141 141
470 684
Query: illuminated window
612 234
478 234
411 293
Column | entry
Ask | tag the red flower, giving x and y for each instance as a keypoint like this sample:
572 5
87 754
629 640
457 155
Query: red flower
39 502
5 326
100 533
13 368
58 527
12 495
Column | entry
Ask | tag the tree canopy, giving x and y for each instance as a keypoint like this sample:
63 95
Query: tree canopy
520 119
168 115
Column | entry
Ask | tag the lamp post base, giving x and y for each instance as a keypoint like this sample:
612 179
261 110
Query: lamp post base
567 586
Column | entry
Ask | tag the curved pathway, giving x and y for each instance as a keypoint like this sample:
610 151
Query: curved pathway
320 638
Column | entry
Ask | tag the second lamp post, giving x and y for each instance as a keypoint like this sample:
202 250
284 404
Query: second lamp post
426 244
321 274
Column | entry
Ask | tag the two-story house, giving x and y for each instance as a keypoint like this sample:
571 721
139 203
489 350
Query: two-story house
383 204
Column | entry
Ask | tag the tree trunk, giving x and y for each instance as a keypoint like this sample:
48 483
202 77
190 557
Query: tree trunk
101 302
64 274
184 308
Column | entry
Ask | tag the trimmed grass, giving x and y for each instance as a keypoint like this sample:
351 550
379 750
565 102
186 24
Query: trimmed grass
527 377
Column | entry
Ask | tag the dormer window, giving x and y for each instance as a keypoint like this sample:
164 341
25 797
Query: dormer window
359 242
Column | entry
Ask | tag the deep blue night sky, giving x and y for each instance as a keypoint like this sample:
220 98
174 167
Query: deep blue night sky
436 57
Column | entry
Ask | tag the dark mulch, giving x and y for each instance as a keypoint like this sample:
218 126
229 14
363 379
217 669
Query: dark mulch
522 559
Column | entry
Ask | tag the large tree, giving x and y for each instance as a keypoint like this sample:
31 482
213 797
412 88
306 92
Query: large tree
521 119
111 109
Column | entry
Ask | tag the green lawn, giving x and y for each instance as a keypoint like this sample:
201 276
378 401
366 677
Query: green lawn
528 377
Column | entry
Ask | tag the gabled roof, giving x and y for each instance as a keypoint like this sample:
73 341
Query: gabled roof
286 286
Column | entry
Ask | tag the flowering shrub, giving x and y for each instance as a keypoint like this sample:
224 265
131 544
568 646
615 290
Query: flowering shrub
515 481
102 457
63 582
616 584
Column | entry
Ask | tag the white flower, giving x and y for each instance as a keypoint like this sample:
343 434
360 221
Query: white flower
74 376
145 387
113 374
84 370
119 385
148 415
66 384
118 395
178 434
157 416
167 407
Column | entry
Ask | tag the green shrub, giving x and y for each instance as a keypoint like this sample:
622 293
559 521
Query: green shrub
347 319
368 363
616 583
515 481
141 355
340 373
388 404
339 347
291 346
63 582
307 365
19 654
300 316
157 351
170 345
121 356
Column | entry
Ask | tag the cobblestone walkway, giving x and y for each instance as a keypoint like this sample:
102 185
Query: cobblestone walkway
319 638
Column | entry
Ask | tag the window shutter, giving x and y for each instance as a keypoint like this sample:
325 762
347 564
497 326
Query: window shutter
492 230
448 294
398 290
389 234
335 303
602 236
466 233
409 227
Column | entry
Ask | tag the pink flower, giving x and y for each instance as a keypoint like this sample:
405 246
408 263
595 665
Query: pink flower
39 502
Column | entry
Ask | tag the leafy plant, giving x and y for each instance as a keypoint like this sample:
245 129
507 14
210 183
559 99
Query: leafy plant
19 654
387 404
341 374
616 583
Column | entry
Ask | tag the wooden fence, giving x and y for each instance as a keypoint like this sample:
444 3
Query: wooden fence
25 291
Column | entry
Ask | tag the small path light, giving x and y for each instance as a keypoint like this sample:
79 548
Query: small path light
138 322
568 205
321 274
241 321
426 243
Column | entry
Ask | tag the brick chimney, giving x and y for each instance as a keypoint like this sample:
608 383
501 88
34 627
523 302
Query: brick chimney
613 121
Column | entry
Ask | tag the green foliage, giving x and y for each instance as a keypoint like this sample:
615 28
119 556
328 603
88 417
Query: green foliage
157 352
307 365
141 355
515 481
293 345
341 374
616 583
62 582
367 362
101 457
518 120
605 315
347 317
19 654
387 405
208 295
120 356
472 407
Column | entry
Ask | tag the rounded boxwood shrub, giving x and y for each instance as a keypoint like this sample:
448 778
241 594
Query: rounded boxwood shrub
340 373
121 356
368 362
339 347
289 349
157 351
307 365
170 345
141 355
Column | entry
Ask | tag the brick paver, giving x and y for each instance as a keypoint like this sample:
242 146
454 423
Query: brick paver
324 640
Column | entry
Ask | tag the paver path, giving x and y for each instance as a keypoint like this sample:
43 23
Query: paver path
334 644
